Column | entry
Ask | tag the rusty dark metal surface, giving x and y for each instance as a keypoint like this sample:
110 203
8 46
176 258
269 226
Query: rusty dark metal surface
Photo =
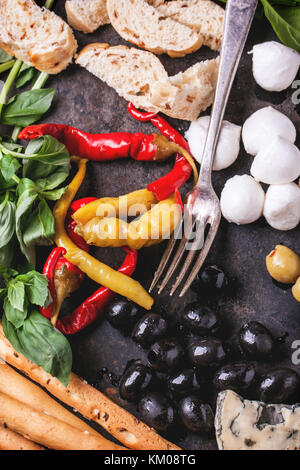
85 102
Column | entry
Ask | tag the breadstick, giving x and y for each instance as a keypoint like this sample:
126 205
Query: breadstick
16 386
10 440
47 430
91 403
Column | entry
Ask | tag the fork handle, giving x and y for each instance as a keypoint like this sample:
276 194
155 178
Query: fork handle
239 15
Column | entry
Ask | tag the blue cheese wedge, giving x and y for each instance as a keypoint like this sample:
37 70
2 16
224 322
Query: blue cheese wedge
251 425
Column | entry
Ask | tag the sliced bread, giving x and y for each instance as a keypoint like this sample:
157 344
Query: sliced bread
131 72
142 24
36 35
139 77
191 91
87 15
204 16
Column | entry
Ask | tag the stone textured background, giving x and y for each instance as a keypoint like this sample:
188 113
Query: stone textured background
85 102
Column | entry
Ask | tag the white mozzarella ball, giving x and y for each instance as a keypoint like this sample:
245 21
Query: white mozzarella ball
242 200
228 147
282 206
264 125
275 66
277 163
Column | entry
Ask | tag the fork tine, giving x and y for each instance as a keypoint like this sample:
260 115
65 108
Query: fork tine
190 257
166 255
202 257
178 255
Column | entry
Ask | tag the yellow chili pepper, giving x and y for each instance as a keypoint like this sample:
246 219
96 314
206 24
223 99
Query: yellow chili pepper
97 271
152 228
115 206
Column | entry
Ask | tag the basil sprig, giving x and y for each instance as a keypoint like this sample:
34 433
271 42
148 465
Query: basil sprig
26 329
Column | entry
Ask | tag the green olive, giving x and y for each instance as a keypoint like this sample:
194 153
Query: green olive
283 265
296 290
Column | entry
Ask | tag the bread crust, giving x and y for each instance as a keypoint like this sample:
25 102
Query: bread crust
91 403
95 16
10 440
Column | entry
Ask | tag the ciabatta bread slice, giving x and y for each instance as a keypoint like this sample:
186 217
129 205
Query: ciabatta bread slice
139 77
204 16
191 91
87 15
36 35
131 72
142 24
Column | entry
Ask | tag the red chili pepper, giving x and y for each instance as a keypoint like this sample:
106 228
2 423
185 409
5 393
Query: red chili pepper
94 306
49 271
178 199
165 186
100 147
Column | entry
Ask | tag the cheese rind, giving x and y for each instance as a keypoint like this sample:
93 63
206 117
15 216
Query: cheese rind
251 425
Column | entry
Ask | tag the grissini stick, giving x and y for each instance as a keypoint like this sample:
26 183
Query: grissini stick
91 403
18 387
10 440
47 430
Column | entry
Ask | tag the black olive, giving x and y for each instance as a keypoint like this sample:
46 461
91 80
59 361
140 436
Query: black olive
184 382
256 341
196 416
238 376
165 354
200 319
149 328
207 352
122 313
156 411
279 386
135 381
211 282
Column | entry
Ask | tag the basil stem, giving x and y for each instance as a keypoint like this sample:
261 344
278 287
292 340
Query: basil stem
7 66
9 81
49 4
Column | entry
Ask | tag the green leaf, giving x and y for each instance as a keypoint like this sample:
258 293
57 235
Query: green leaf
36 286
25 109
54 195
25 77
27 196
42 344
14 315
285 22
9 167
40 227
7 254
7 273
7 222
16 294
36 170
52 181
4 57
48 150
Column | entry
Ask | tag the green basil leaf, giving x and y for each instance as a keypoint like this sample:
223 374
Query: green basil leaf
7 222
36 170
40 227
5 185
36 286
25 109
16 294
14 315
54 195
8 167
285 22
4 57
7 273
53 180
25 77
27 195
48 150
42 344
7 254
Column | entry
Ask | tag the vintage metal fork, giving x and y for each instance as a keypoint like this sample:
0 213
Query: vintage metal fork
202 208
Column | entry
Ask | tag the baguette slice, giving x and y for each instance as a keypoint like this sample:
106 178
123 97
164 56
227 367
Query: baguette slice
131 72
204 16
140 23
139 77
87 15
189 92
36 36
